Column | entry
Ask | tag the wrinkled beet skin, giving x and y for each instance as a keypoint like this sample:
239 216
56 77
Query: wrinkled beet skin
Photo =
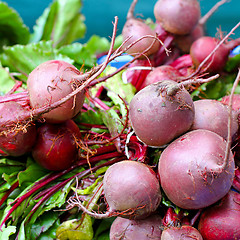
158 118
182 233
177 16
50 82
131 185
16 142
55 148
189 169
145 229
222 220
213 115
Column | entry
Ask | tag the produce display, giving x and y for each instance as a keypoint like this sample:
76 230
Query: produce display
130 137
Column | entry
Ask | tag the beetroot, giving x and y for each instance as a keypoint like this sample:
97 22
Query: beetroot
56 146
17 136
202 47
222 221
135 29
183 232
161 112
193 170
145 229
132 188
50 82
177 16
213 115
160 73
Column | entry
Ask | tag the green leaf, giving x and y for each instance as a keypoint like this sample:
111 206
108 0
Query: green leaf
24 58
6 82
32 173
62 23
76 229
44 224
233 63
12 28
6 232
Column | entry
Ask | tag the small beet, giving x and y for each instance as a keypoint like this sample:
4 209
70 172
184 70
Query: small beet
17 136
160 73
222 221
213 115
177 16
132 189
56 146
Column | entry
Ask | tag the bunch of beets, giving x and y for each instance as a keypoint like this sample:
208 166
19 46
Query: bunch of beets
192 190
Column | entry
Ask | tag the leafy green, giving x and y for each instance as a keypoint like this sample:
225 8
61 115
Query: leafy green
62 23
24 58
85 54
76 229
12 28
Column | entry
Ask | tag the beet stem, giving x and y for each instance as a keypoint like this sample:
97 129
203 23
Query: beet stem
229 137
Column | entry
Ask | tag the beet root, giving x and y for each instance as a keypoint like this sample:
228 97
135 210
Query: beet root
213 116
161 73
184 232
132 189
193 171
145 229
221 221
56 146
16 135
159 114
50 82
133 30
204 46
177 16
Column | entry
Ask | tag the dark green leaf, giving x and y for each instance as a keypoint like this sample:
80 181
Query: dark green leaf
12 28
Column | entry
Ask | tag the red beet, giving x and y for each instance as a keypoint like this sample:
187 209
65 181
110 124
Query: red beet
203 46
145 229
213 115
177 16
161 112
50 82
160 73
193 170
16 135
184 232
56 146
222 220
132 188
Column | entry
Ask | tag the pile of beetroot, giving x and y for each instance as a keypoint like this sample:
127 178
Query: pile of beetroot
173 169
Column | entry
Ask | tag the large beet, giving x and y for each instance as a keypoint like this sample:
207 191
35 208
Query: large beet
222 220
213 115
145 229
158 113
193 171
132 188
